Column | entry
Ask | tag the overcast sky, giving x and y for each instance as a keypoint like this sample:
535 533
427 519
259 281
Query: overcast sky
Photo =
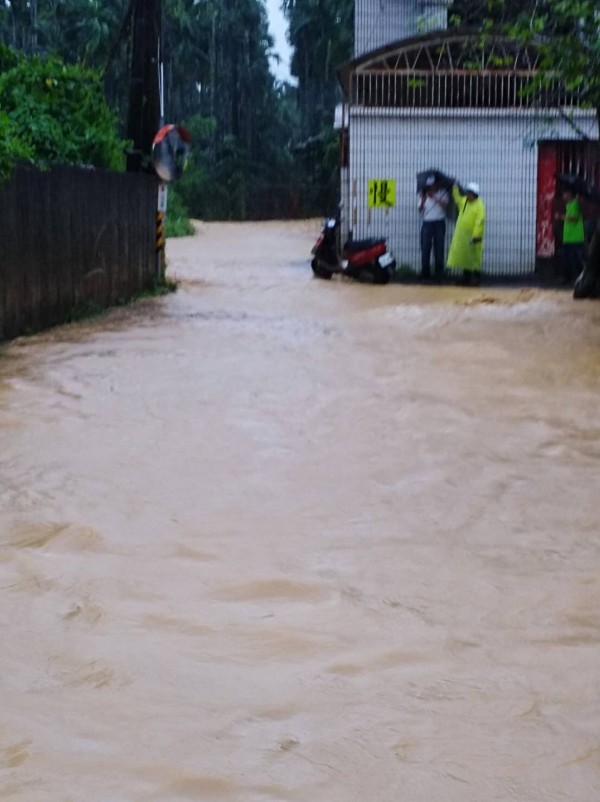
277 27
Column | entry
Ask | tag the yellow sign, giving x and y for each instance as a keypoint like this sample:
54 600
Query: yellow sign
382 193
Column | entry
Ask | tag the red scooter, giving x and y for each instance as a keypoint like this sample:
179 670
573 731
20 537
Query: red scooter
367 260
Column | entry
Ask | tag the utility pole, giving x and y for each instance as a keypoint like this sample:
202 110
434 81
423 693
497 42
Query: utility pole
144 90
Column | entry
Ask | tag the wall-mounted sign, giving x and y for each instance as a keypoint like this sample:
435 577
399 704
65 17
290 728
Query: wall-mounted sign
163 193
382 193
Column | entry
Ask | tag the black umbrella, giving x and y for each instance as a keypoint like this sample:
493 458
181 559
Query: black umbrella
442 179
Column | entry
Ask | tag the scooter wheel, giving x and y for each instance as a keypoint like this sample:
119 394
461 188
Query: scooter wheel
320 271
381 276
373 274
366 275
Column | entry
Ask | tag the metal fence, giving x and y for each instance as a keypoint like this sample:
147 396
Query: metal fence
72 237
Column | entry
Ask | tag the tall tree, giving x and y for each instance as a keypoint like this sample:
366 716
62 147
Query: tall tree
321 34
217 80
493 13
18 24
565 32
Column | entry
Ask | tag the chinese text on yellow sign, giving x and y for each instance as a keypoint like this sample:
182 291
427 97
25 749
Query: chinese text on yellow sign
382 193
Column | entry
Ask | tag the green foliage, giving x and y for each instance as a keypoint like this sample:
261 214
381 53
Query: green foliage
240 119
164 286
565 32
92 309
317 172
215 186
85 311
478 13
405 273
177 220
9 58
568 35
59 112
261 148
229 179
78 29
11 146
321 33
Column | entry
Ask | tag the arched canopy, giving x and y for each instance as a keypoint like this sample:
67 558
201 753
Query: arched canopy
450 69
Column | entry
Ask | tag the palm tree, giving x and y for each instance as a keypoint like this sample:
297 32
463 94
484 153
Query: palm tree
321 35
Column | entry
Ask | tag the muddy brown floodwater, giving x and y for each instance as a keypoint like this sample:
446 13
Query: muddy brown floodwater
274 539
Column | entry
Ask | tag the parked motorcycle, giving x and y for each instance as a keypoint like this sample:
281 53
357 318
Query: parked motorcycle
367 260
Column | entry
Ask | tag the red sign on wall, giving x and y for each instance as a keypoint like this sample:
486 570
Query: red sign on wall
546 195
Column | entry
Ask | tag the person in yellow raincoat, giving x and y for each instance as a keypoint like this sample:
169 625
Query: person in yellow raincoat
466 248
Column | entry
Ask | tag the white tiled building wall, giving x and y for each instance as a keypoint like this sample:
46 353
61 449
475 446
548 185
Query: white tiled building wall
381 22
495 148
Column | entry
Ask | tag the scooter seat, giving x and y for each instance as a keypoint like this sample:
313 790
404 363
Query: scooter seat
362 244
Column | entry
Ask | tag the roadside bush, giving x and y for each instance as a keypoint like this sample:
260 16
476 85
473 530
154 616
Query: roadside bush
11 146
56 113
177 221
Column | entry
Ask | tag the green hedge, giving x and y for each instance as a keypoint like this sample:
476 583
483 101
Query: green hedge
54 113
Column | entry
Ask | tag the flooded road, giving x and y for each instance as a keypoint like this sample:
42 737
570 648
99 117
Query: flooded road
273 539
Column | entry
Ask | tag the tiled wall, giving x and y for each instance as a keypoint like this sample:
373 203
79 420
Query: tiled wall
381 22
495 148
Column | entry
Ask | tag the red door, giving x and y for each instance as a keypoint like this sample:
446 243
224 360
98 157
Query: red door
546 195
571 156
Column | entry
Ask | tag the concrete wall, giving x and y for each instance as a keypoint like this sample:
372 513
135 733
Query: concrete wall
498 149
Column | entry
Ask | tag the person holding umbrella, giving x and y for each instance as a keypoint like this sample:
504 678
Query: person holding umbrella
433 204
466 248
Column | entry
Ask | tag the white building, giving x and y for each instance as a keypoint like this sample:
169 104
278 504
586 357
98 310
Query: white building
420 95
378 23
